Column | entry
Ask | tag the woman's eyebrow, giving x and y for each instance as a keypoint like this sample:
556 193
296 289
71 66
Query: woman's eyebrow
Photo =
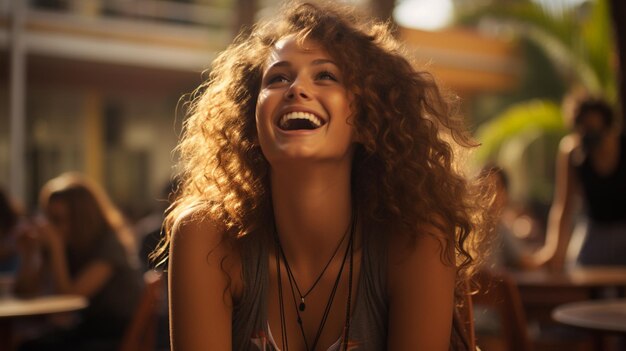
279 64
315 62
323 61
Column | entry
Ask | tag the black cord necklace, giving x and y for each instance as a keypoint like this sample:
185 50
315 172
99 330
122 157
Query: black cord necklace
346 336
281 305
292 278
349 249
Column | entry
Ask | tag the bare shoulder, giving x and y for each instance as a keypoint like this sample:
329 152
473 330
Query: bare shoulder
568 144
421 251
200 245
197 232
570 153
203 273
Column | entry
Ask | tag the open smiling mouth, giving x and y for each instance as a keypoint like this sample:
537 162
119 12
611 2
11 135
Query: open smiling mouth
300 121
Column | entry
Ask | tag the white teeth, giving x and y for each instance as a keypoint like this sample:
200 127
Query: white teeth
300 115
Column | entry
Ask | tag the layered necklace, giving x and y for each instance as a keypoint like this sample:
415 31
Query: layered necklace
301 305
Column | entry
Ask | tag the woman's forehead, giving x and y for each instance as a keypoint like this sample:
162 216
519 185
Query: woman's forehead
304 43
293 45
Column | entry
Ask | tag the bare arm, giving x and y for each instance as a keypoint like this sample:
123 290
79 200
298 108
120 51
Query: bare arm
200 305
421 289
559 228
88 282
30 270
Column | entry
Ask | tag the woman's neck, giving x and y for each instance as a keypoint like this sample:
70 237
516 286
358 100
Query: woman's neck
312 210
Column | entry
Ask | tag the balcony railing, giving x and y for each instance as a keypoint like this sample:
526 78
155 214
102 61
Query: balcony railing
184 12
151 33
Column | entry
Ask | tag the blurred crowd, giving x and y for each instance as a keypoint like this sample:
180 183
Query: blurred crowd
77 242
586 223
585 226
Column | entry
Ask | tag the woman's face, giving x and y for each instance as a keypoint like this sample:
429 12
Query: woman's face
591 129
59 215
303 105
591 122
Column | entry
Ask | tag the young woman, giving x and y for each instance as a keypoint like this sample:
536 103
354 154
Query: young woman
319 208
83 246
591 165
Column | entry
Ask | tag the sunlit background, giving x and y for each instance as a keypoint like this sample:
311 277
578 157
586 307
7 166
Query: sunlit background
98 86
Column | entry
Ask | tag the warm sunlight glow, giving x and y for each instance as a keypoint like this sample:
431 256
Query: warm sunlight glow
423 14
559 6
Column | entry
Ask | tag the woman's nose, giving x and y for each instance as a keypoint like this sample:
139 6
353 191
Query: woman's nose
297 90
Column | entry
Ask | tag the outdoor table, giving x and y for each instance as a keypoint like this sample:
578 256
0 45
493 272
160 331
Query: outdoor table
586 277
598 315
605 319
17 307
14 308
541 291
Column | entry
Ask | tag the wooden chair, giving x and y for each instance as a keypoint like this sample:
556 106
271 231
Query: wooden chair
499 292
141 334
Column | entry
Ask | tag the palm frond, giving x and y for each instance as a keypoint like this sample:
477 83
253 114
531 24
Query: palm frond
535 114
580 45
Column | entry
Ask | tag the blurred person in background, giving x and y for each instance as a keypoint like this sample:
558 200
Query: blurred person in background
149 233
591 166
507 251
9 219
149 229
83 246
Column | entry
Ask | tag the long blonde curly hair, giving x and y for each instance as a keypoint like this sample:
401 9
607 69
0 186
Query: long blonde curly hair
404 175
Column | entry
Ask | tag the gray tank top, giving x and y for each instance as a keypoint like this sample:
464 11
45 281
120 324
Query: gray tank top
368 326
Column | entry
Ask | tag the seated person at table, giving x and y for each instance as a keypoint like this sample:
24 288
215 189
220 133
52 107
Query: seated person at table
507 250
85 248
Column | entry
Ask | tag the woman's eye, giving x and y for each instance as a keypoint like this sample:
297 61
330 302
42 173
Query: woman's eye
325 75
279 78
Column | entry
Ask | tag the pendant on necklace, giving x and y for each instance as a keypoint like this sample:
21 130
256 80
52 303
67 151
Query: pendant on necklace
302 306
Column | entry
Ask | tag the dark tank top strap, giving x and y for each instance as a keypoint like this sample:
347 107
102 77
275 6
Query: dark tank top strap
368 327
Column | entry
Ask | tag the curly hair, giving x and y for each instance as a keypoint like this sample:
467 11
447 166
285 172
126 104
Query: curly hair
404 174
